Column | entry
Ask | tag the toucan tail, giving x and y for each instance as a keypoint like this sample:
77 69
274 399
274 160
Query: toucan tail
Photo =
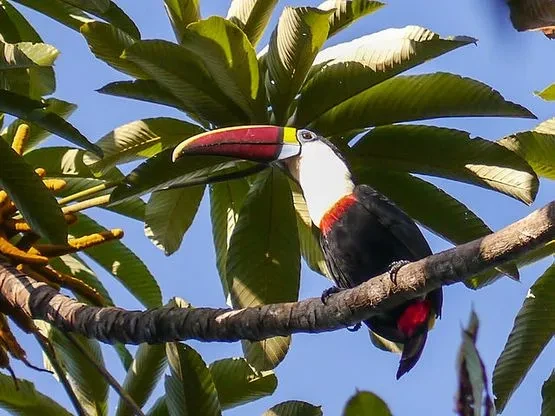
412 350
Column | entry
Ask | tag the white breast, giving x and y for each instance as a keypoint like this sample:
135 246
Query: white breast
323 176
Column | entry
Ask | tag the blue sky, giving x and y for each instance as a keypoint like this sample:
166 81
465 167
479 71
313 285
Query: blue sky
327 369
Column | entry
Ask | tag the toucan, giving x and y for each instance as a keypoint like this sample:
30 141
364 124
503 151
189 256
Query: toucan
362 233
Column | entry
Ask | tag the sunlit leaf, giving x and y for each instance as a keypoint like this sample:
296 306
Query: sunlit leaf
347 12
181 13
295 41
364 403
547 93
252 16
190 389
446 153
35 202
169 214
345 70
26 55
417 97
533 328
238 383
294 408
144 90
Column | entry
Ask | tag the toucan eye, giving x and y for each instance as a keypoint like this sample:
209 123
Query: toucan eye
307 136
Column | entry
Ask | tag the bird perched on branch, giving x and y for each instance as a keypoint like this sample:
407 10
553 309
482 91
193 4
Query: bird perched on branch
363 234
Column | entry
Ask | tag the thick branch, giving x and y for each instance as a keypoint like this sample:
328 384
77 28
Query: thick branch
310 315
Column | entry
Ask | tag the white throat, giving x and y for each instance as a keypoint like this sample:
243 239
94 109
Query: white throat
323 176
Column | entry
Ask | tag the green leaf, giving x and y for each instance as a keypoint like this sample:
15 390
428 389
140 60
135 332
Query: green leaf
417 97
262 245
143 376
294 408
24 400
472 375
35 112
164 62
26 55
144 90
159 172
489 276
230 60
14 27
107 43
533 328
35 202
548 395
64 13
547 94
364 403
343 71
190 389
309 234
169 214
446 153
100 6
38 134
141 139
121 263
252 16
90 387
536 147
159 408
238 383
346 12
226 200
181 13
295 41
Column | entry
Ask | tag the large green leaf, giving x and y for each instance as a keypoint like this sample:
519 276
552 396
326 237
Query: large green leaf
473 392
537 147
534 327
121 263
309 234
364 403
181 13
143 375
238 383
263 243
107 43
416 97
294 408
159 172
159 408
141 139
345 70
548 395
89 385
547 94
226 200
35 202
14 27
37 113
346 12
26 55
447 153
252 16
23 400
37 133
169 214
295 41
99 6
144 90
230 59
190 389
164 62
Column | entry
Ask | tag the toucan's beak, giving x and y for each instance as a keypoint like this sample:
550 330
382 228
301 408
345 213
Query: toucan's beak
262 144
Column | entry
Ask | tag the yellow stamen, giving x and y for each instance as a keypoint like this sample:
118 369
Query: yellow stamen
20 138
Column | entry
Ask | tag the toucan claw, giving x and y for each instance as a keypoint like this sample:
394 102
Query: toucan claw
354 328
328 292
394 268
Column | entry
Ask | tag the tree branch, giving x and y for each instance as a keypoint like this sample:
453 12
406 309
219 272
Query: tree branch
343 309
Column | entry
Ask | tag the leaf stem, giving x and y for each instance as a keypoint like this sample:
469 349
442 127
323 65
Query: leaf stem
88 203
88 192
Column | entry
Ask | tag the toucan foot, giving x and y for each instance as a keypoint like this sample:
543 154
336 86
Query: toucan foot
394 269
354 328
328 292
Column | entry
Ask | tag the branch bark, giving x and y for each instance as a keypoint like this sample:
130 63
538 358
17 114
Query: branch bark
310 316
